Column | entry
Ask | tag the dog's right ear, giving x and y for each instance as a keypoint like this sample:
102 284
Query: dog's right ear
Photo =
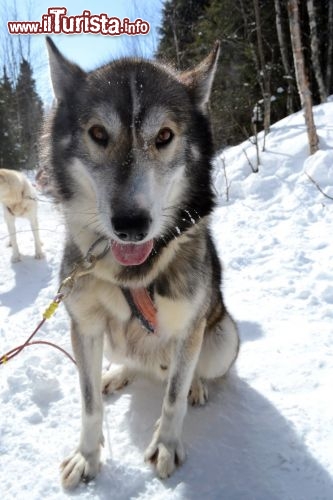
65 75
199 80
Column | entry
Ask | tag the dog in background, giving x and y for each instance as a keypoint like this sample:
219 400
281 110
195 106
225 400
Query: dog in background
129 149
19 200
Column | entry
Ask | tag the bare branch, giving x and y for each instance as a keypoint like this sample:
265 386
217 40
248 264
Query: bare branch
318 187
227 184
253 168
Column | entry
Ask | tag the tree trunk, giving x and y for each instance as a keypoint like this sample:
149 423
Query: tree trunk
264 71
315 51
329 48
284 56
300 71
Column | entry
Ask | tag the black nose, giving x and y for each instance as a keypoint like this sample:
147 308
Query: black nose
131 227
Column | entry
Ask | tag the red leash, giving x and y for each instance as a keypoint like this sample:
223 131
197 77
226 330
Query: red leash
47 314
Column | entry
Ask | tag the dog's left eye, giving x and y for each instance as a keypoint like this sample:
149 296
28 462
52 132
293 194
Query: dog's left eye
99 135
164 137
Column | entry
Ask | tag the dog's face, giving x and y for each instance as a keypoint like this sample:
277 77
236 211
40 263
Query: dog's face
132 145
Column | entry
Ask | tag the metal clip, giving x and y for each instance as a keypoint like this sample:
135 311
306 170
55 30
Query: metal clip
83 267
66 286
90 258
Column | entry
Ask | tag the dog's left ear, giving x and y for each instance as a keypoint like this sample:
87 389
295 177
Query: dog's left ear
65 75
199 80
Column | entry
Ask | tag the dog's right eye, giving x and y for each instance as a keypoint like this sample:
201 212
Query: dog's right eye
164 137
99 135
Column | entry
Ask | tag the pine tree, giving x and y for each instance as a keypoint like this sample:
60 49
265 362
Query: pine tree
9 150
29 116
178 29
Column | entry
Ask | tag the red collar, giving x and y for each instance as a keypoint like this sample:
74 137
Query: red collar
142 306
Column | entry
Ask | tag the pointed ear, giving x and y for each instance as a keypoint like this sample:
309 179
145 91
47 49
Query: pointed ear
199 80
65 76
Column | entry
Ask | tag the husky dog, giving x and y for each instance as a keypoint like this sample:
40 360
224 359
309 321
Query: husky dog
19 200
129 148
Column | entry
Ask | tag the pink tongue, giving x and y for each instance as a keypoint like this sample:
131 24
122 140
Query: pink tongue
130 254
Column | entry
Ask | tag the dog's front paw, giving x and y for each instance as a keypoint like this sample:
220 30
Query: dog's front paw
15 258
115 379
39 255
78 468
165 455
198 394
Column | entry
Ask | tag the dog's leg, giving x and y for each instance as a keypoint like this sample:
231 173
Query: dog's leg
35 231
166 449
85 462
10 221
219 349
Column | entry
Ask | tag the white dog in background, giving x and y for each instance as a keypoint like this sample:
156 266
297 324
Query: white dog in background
19 200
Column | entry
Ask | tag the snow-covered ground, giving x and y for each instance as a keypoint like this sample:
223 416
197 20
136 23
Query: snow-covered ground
267 431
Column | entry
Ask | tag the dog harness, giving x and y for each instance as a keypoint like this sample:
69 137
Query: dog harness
140 301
